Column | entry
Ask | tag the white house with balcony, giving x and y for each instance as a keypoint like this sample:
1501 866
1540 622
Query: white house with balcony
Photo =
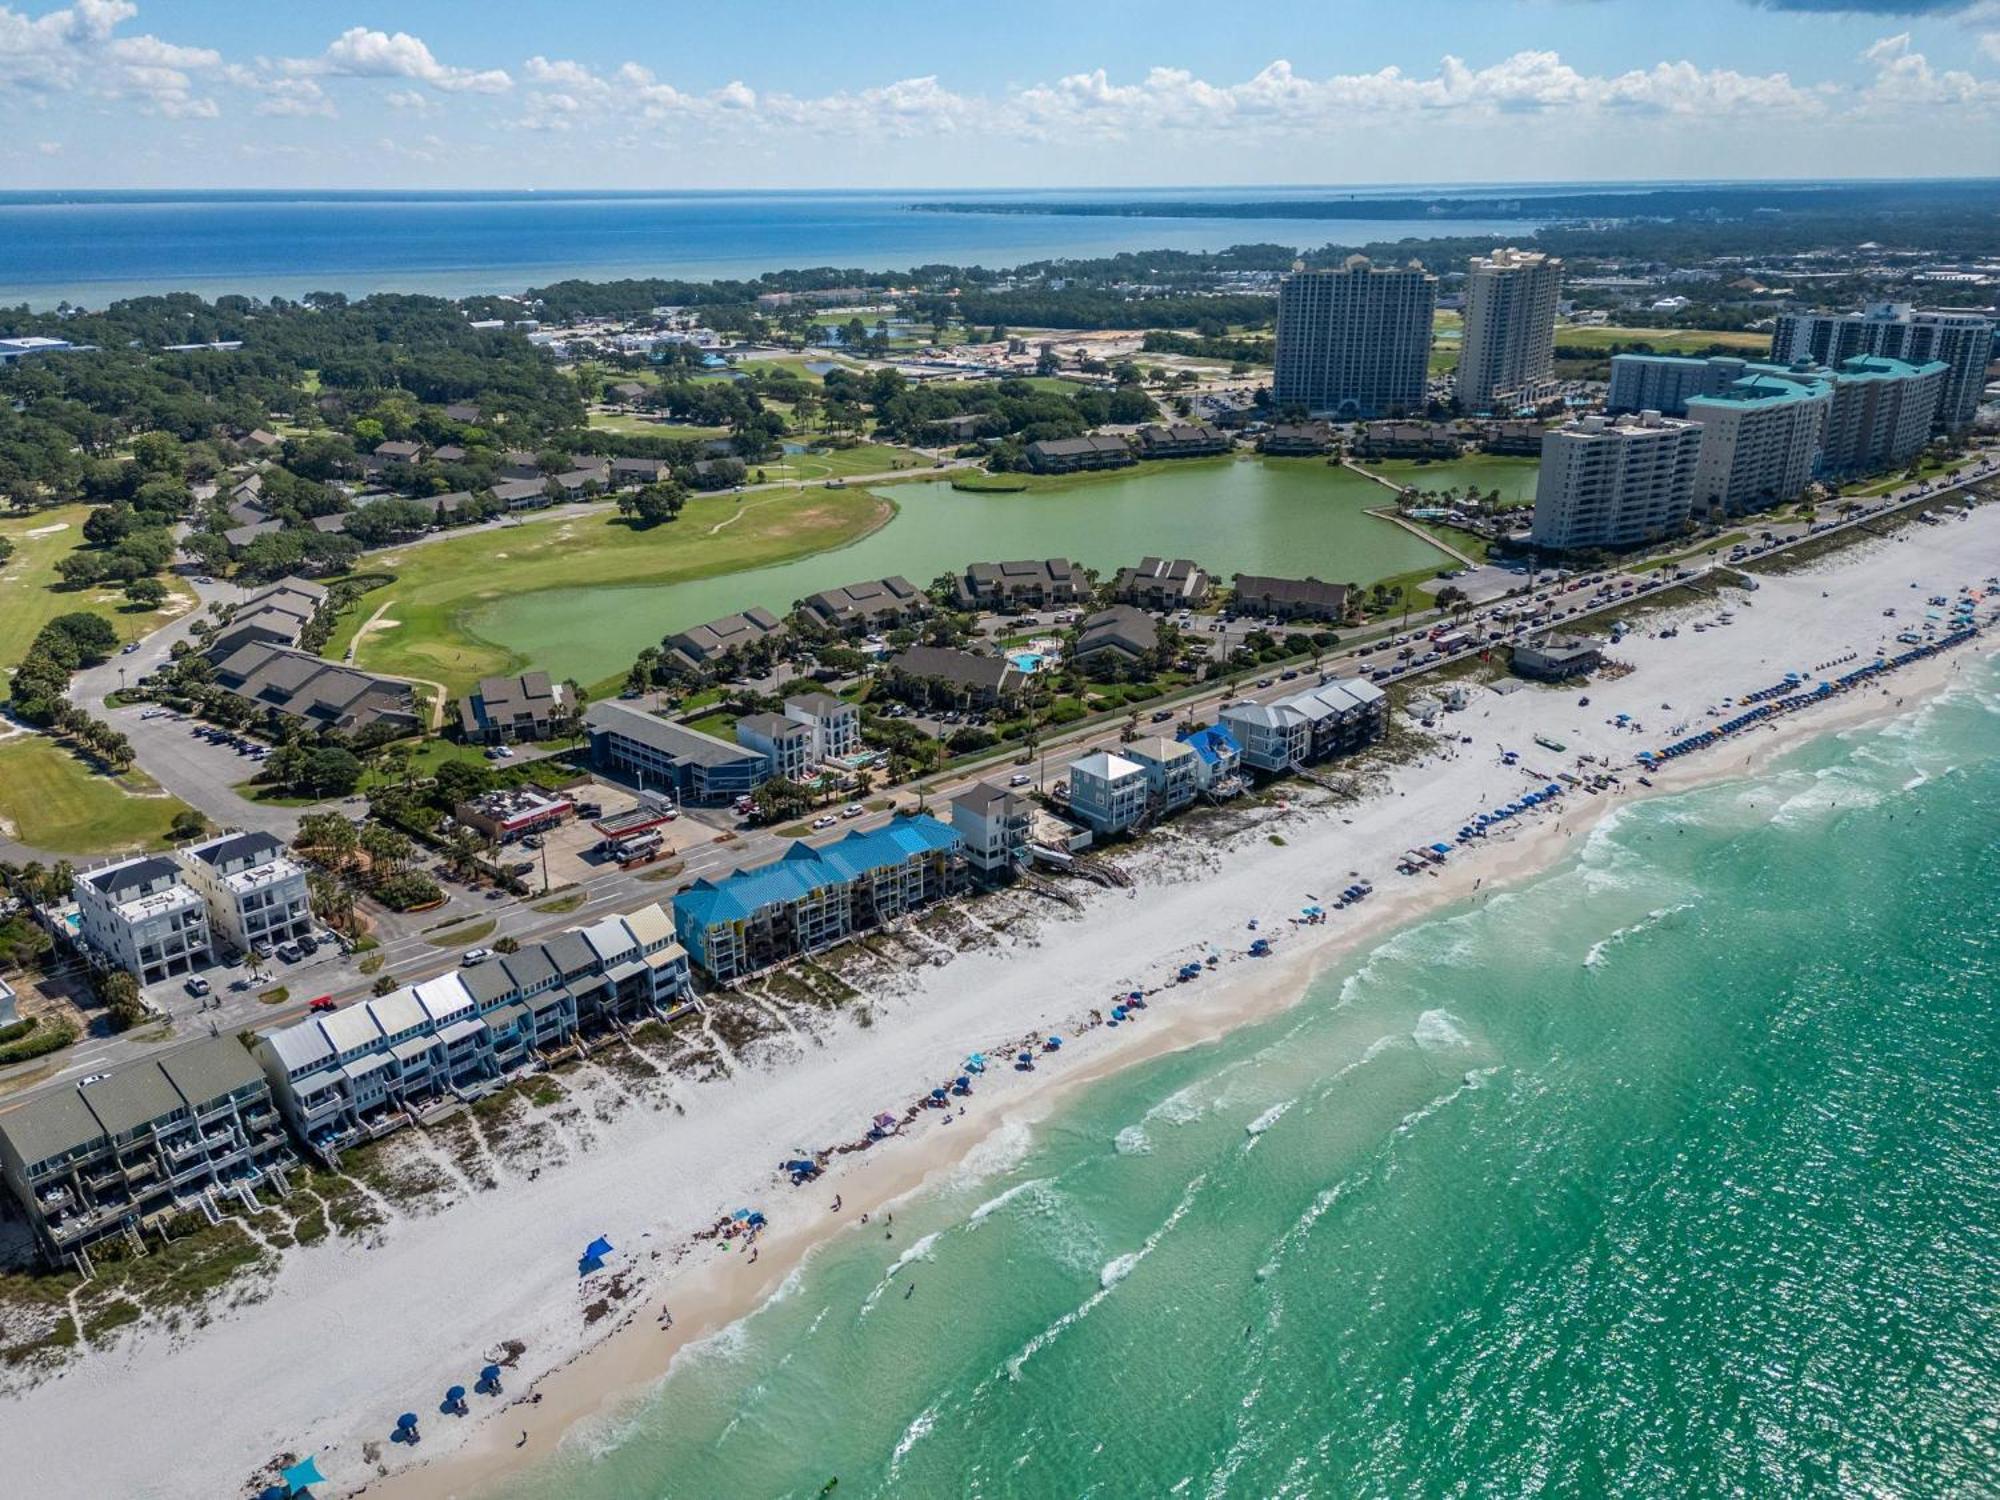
256 893
1172 772
996 825
835 724
139 916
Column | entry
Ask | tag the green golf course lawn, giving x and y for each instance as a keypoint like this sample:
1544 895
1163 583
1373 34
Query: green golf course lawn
53 801
29 598
421 634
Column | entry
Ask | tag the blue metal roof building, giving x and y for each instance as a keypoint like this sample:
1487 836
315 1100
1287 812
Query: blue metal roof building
810 898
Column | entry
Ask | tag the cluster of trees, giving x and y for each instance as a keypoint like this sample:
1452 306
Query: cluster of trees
379 859
41 684
1217 345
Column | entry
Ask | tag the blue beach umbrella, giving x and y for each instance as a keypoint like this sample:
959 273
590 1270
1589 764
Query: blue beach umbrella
302 1475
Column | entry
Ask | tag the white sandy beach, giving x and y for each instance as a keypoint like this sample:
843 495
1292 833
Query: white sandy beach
347 1337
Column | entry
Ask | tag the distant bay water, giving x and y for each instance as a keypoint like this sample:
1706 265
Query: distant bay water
95 247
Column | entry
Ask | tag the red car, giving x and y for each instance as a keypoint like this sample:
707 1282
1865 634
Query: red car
324 1002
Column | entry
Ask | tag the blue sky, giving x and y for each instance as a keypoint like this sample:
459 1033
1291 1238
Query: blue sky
885 93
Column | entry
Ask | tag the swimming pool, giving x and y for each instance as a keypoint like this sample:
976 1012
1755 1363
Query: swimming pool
1027 661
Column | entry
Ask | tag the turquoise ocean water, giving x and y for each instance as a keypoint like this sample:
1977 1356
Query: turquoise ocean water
1676 1172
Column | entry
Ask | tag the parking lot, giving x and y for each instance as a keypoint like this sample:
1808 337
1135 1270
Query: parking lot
571 851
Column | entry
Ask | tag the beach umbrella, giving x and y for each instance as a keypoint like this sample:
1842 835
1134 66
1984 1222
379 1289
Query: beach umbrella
407 1422
274 1492
1053 1043
489 1378
1025 1057
454 1398
304 1474
741 1213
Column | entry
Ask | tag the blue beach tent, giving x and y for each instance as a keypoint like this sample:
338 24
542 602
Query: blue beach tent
303 1475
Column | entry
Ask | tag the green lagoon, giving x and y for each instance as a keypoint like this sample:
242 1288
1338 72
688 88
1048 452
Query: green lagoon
1290 517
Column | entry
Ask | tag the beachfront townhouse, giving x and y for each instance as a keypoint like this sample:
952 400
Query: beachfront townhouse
1337 717
995 824
782 740
809 899
186 1131
1025 583
1172 772
256 892
139 915
1289 598
364 1070
835 724
1218 760
1107 792
1163 584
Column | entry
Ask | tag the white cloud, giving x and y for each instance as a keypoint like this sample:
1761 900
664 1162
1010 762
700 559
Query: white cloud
412 101
1905 80
298 98
78 49
359 52
49 148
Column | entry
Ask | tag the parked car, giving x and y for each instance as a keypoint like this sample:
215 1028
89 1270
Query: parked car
196 985
853 810
473 956
823 822
1161 715
322 1003
1019 778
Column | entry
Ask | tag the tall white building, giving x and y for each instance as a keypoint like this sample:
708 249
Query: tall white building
1760 441
256 892
1355 343
1883 413
1962 341
1615 481
1508 358
138 916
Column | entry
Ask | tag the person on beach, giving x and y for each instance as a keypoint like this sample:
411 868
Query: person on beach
522 1440
836 1203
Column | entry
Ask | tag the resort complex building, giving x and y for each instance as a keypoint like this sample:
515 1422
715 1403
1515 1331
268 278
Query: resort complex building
511 710
1760 442
299 685
994 825
1029 583
1107 793
699 769
1072 455
942 676
255 891
880 604
1961 341
1183 440
1289 598
1160 584
1296 440
1884 411
722 640
139 915
1119 637
1615 481
1867 415
1508 357
275 616
809 899
361 1071
187 1131
1355 342
1337 717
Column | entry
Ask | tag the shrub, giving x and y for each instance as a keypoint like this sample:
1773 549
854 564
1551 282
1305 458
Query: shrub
39 1041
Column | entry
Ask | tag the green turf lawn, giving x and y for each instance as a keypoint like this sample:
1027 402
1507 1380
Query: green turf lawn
54 801
1665 340
439 583
29 598
839 463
